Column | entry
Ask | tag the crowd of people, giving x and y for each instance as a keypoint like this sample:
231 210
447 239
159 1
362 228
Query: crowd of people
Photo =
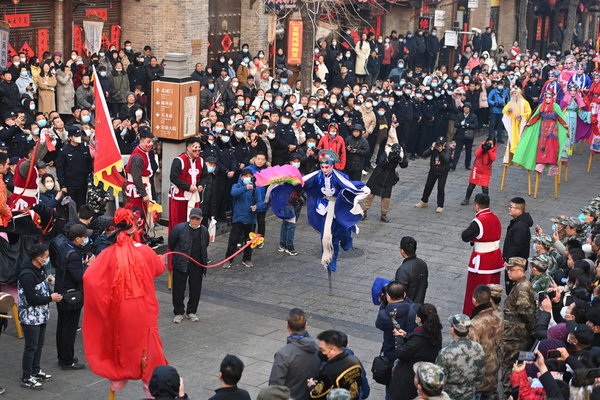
374 105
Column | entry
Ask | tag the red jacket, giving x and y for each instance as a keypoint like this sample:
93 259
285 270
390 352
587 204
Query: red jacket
338 145
482 167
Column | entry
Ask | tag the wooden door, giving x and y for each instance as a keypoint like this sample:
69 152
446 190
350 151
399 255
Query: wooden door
225 17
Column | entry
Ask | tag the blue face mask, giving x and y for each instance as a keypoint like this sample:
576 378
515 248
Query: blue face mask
85 119
381 113
247 180
42 123
32 106
296 164
210 169
278 103
86 241
311 145
211 86
46 262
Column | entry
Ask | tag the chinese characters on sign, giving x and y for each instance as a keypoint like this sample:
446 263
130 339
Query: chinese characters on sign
294 45
17 20
100 12
165 109
4 34
279 5
424 23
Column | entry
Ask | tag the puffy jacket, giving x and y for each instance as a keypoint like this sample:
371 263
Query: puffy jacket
336 144
180 240
355 158
263 207
404 313
518 237
243 199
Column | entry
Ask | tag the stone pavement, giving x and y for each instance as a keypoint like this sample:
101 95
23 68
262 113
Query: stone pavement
242 310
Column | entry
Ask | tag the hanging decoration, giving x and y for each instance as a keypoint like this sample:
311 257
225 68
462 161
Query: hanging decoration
226 42
99 12
26 48
17 20
115 35
78 39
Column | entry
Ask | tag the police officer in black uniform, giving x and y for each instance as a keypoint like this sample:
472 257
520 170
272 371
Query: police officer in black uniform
73 166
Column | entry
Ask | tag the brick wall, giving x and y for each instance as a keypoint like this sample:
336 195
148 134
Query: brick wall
167 26
399 19
480 16
254 26
507 25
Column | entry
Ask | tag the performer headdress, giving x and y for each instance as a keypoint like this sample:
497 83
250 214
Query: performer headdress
327 156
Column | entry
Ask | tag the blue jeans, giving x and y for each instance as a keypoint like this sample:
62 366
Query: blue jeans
288 229
496 127
34 343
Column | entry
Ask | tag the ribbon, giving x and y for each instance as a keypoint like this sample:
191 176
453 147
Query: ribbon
254 241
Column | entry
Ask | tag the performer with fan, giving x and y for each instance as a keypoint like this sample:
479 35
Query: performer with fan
120 325
333 207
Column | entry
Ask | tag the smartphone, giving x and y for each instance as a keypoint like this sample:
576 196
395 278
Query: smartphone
553 354
541 296
526 356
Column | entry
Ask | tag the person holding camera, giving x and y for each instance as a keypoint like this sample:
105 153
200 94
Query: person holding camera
357 149
383 179
481 172
439 165
246 199
466 123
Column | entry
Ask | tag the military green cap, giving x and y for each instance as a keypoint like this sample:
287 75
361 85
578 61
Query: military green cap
516 262
543 239
541 262
496 289
338 394
573 222
559 219
430 376
460 322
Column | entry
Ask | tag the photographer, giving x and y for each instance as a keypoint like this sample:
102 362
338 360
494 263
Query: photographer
383 179
481 173
439 165
466 124
357 149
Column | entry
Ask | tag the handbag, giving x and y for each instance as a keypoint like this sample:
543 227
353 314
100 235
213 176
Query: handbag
72 298
469 134
382 369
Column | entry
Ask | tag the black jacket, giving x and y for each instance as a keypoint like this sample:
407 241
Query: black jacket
403 109
72 269
180 240
517 242
342 371
471 123
73 165
357 148
404 314
29 278
439 161
230 393
409 350
384 177
9 97
413 274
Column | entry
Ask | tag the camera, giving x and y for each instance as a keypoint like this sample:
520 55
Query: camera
486 146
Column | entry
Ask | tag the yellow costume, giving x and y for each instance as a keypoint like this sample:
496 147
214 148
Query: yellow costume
516 113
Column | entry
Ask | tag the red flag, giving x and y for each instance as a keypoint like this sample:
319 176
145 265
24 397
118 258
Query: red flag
108 161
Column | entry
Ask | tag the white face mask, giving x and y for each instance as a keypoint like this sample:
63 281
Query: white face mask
77 139
271 136
239 135
225 139
139 113
49 185
332 133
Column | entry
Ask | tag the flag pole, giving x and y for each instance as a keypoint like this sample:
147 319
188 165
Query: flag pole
329 278
111 394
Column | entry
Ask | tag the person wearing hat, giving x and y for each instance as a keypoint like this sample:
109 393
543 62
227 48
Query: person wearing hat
403 109
74 164
357 150
518 111
165 383
12 135
429 381
573 230
591 215
581 337
246 200
497 99
519 317
139 172
334 142
9 92
466 123
496 296
191 238
540 279
286 135
208 94
69 277
544 246
384 178
439 165
462 360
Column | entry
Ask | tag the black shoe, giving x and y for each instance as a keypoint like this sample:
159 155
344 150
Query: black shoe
468 168
75 365
453 168
291 251
500 141
384 218
412 157
364 215
464 202
31 383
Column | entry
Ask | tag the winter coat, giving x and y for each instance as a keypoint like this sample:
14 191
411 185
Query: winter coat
65 92
373 66
46 94
410 349
180 240
120 83
336 144
404 314
243 199
486 329
439 162
517 242
355 157
369 120
34 295
361 57
384 177
470 123
413 274
482 167
263 207
295 363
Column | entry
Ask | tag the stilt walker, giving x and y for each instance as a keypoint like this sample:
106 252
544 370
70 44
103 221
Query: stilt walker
515 116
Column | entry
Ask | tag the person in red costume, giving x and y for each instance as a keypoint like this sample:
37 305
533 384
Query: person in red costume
486 260
25 194
593 101
139 172
120 324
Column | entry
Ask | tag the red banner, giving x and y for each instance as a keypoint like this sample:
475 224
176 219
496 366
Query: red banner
105 42
100 12
26 48
11 52
42 42
538 29
115 35
17 20
78 39
294 42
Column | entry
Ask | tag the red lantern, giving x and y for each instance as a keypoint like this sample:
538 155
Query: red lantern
551 3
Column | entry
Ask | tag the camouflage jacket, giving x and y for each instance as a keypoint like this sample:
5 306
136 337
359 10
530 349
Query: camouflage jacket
540 282
556 260
463 363
486 329
519 312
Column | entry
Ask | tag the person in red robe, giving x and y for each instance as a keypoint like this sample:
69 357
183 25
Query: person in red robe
481 172
25 194
186 189
138 190
486 260
120 324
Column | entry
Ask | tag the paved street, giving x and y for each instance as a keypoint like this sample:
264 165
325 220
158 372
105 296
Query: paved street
242 310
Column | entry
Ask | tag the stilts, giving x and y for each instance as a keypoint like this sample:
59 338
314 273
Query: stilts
503 177
537 184
529 182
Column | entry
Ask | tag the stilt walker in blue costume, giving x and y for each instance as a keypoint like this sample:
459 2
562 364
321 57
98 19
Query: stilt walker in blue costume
332 207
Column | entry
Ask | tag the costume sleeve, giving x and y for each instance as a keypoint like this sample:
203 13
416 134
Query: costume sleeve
176 168
471 232
136 165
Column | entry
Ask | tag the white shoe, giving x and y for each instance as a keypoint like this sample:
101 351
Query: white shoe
421 204
365 172
439 210
228 265
193 317
177 319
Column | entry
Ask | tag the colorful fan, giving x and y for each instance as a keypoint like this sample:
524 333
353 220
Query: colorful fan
279 174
